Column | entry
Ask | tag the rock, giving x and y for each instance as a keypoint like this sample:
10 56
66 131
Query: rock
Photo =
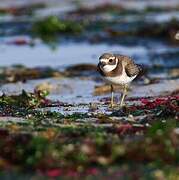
104 89
177 36
81 69
175 137
44 86
174 72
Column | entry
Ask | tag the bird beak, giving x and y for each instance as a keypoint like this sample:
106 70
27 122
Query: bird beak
102 63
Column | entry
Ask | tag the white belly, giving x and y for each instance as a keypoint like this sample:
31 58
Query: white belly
123 79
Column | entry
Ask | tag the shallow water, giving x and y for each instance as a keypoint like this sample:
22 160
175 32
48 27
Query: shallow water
81 91
67 53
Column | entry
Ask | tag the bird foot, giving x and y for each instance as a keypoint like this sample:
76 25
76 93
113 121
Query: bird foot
124 105
112 106
117 106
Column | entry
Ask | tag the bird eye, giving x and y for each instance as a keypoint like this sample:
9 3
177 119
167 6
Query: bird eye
110 60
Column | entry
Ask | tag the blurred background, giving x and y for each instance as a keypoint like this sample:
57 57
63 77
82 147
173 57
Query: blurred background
59 34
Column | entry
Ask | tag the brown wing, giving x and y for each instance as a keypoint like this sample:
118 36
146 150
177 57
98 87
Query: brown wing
132 69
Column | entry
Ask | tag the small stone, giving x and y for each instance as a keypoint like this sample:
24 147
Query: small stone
176 131
131 118
86 149
44 86
177 36
103 160
174 72
1 93
158 174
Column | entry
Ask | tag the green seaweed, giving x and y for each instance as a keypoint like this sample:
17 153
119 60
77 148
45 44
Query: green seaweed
48 29
24 100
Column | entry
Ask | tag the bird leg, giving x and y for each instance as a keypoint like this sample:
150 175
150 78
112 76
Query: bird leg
112 96
123 95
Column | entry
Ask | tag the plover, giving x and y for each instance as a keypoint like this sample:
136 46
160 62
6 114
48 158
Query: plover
117 69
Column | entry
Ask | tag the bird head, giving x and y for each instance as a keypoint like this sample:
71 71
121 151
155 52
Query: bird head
107 62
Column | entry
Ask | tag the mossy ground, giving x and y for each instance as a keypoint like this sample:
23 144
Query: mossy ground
121 144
